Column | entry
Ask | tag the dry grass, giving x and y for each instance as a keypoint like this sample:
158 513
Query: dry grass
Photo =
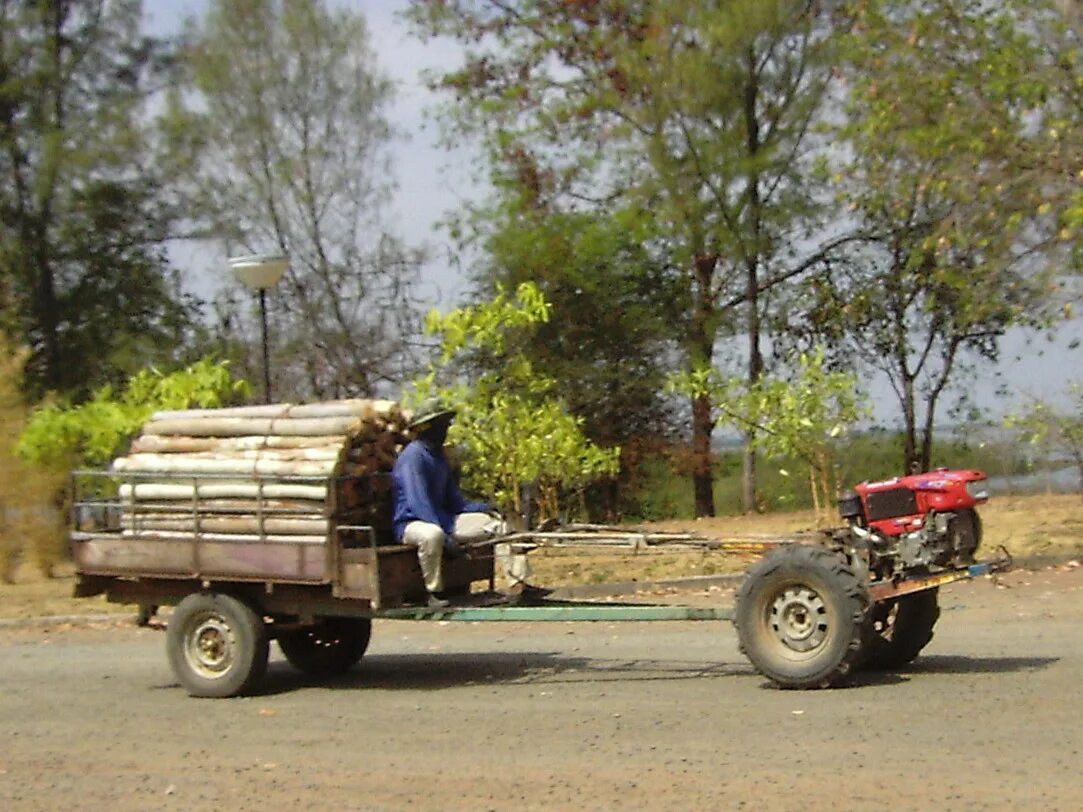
50 597
1027 526
1034 525
30 539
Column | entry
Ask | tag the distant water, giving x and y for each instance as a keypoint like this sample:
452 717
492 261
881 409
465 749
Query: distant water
1062 480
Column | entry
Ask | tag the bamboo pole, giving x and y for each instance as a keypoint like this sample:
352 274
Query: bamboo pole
180 444
191 464
267 411
219 524
242 426
231 507
250 538
221 490
320 453
386 410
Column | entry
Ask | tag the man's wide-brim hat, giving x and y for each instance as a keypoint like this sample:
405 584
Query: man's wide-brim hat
431 409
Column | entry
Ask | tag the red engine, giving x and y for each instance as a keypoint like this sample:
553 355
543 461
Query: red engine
918 520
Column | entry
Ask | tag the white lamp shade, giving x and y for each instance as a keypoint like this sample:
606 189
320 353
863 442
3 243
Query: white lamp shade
259 271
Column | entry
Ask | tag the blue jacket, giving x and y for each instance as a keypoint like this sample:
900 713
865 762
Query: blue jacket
426 491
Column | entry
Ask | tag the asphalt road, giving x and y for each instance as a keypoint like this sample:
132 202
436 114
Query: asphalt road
561 716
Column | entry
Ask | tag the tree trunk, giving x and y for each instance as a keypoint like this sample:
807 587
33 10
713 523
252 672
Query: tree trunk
931 400
749 496
925 460
911 459
749 500
702 473
48 320
701 345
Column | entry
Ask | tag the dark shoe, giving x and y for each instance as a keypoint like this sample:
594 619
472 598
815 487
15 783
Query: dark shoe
438 603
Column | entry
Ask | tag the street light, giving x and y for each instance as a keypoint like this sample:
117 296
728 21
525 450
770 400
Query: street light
260 272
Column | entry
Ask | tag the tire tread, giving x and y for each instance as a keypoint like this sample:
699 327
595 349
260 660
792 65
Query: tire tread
843 579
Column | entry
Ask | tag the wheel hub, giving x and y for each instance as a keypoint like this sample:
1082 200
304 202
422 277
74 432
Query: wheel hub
210 647
798 618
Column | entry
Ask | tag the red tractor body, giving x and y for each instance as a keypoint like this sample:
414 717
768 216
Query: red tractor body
900 505
920 520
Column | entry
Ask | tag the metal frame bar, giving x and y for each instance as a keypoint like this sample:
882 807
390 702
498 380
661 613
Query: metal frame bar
560 612
886 590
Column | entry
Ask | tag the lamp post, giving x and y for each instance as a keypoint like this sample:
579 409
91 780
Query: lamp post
260 272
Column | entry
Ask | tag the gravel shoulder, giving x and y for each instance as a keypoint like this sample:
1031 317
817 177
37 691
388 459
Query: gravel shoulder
560 716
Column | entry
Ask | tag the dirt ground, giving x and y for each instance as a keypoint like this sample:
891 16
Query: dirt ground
475 716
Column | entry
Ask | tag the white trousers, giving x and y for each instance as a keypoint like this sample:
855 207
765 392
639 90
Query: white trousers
429 539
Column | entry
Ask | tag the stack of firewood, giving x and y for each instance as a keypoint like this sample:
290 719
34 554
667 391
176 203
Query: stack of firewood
277 473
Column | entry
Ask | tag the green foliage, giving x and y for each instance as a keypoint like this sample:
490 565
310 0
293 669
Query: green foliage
922 74
613 309
488 325
956 167
690 114
92 433
798 418
954 173
509 430
925 73
860 456
511 441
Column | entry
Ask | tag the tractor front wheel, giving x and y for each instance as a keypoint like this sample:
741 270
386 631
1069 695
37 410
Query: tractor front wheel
801 612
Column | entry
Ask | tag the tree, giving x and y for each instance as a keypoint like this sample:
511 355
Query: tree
799 416
285 130
958 227
693 112
83 215
511 430
606 345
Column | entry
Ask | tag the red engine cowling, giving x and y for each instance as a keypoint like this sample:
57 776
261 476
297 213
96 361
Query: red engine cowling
896 506
918 521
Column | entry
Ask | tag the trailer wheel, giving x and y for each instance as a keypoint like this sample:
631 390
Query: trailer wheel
328 649
900 628
801 611
217 645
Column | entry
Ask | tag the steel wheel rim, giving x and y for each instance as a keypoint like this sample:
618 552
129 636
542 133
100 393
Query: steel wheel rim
798 620
210 646
884 621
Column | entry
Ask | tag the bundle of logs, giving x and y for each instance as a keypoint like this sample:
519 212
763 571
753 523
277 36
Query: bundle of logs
271 473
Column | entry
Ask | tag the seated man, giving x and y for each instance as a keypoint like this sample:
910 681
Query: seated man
430 512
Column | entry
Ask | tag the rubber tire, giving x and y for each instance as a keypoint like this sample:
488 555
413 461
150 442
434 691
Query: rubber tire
223 620
906 633
967 522
328 649
804 576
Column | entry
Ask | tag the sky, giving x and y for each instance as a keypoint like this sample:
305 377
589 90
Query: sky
433 181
